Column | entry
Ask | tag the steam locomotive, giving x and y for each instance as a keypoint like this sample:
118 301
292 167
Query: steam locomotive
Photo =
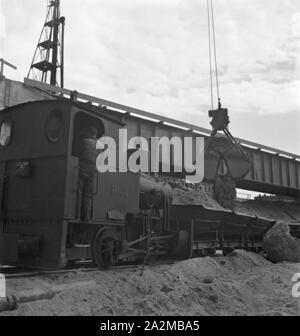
132 216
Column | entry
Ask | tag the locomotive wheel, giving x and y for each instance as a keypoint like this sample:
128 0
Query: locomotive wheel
106 248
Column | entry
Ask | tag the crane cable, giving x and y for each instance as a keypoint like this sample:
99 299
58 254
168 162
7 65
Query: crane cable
212 38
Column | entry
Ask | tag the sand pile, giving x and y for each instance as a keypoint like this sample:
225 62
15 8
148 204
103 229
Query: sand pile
194 197
280 245
240 284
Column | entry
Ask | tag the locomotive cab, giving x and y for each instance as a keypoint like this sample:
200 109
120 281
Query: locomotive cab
39 160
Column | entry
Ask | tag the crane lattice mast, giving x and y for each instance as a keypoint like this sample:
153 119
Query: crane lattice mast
48 58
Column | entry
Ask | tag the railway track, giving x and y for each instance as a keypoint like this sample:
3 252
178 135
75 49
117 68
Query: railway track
17 272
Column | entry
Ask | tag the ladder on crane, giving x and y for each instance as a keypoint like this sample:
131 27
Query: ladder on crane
49 53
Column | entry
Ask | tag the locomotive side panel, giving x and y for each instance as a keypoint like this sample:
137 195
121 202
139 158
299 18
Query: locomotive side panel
117 194
33 171
39 196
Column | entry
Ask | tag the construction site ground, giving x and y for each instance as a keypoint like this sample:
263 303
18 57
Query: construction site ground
240 284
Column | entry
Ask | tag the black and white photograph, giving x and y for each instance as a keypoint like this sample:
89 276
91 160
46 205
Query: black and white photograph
149 161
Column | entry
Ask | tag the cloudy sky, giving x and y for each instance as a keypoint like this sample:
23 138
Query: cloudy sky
153 55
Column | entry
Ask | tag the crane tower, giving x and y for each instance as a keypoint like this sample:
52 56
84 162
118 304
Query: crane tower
48 61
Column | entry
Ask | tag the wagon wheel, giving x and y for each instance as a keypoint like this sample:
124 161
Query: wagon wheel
106 248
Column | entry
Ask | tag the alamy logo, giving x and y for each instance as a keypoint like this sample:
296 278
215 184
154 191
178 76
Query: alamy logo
2 286
153 155
296 287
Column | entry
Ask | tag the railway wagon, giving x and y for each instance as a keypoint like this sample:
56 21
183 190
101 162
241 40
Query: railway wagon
38 192
210 229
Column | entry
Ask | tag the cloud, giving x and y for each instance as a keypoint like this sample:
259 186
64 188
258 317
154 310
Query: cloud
153 54
2 22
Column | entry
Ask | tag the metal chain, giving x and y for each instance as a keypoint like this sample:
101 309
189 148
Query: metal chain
212 44
215 49
210 62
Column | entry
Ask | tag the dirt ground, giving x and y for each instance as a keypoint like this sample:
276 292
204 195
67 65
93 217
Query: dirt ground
242 284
